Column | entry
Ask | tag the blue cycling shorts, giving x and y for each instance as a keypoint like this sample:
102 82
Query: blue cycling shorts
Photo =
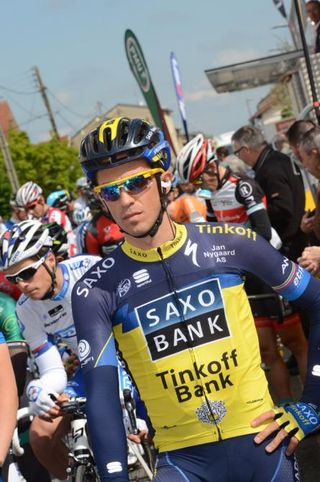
237 459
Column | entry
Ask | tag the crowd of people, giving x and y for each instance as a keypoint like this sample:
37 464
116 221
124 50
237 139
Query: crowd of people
184 278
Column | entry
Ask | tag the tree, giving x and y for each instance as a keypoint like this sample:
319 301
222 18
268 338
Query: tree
49 164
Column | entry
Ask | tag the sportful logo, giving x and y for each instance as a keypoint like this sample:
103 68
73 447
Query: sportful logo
316 370
199 318
141 277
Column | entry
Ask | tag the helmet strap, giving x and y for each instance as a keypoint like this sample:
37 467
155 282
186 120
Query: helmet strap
50 293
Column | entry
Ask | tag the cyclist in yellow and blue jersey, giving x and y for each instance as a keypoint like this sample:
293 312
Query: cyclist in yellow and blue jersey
171 299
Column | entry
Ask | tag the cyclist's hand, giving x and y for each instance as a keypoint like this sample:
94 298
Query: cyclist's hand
40 398
139 438
295 420
143 432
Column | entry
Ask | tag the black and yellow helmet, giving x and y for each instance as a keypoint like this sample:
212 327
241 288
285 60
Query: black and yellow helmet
121 140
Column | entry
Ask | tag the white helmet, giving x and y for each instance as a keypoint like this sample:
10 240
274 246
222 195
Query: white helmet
23 241
81 182
192 159
28 193
80 215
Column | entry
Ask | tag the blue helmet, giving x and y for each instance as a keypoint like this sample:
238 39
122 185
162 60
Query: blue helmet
121 140
58 199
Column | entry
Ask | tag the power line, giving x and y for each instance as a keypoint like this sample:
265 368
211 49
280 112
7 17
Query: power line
68 108
18 92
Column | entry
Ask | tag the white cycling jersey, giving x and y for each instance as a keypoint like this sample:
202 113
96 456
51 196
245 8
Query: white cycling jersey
41 318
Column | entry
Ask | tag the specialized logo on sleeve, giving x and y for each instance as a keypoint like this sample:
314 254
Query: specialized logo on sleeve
199 318
123 287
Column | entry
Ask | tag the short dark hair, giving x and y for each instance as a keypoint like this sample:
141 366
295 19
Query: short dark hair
297 130
222 150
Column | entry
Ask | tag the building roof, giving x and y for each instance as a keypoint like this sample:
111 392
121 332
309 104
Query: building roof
253 73
7 120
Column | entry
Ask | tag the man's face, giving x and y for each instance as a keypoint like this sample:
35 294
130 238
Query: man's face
36 209
296 150
210 176
311 161
313 11
135 212
37 285
20 214
187 187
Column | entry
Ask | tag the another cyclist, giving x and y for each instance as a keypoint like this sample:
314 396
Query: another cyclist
172 297
28 254
30 196
8 400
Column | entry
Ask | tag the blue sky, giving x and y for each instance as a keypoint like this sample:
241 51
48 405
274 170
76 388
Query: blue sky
78 46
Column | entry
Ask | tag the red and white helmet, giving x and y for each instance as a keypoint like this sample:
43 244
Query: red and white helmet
192 159
28 193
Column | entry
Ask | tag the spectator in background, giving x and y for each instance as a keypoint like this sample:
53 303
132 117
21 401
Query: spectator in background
281 143
282 184
82 192
222 152
281 181
313 12
295 134
310 154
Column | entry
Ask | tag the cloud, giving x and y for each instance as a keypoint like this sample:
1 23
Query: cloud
234 56
200 94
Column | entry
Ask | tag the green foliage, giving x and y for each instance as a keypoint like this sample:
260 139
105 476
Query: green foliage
49 164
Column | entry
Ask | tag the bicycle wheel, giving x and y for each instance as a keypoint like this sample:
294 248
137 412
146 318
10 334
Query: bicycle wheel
85 473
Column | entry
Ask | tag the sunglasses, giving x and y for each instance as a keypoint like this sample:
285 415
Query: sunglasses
132 185
26 273
237 152
31 207
210 171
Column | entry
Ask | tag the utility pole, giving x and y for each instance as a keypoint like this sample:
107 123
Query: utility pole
12 175
43 93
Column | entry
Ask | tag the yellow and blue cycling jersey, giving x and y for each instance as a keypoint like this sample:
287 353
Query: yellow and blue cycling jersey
181 320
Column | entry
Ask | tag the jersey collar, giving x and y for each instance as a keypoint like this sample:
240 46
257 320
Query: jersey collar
151 255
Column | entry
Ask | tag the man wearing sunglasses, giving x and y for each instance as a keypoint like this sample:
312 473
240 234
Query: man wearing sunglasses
29 256
172 300
30 197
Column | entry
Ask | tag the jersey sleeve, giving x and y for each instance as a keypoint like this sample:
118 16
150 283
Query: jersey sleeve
250 194
295 284
8 320
96 348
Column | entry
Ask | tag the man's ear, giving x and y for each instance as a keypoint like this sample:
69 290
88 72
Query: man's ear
166 178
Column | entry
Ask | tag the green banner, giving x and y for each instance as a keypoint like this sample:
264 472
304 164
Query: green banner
141 73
